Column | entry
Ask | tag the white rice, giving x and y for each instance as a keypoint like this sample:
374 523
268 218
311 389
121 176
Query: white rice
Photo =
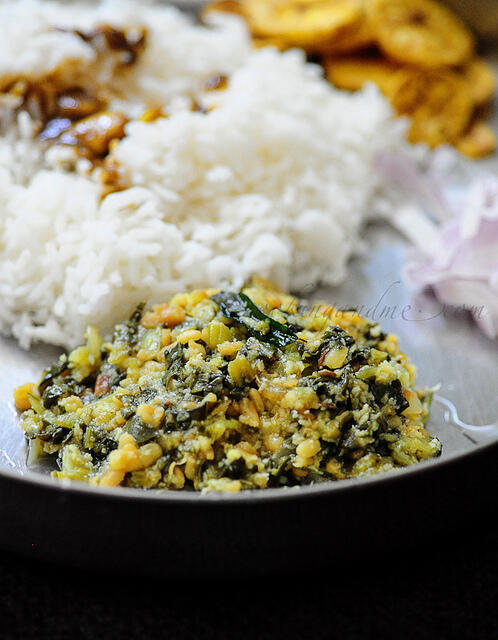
276 180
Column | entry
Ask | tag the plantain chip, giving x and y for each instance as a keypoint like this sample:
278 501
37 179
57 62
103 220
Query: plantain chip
478 141
353 72
278 43
481 81
357 37
420 32
437 101
310 24
222 6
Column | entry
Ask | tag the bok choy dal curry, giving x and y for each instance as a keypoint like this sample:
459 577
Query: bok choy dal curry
223 391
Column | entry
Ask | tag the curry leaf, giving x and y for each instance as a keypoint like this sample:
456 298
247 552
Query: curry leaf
239 307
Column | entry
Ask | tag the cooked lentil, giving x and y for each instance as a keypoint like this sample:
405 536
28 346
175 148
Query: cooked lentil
224 391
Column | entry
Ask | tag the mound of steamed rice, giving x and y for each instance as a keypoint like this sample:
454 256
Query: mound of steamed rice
277 179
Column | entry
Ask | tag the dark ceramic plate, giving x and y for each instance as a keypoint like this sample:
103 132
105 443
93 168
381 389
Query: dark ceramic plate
187 534
179 533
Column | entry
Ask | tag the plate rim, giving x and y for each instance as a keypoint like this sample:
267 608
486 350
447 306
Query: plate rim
254 496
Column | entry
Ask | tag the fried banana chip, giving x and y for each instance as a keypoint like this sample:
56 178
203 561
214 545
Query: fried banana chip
352 73
438 103
420 32
478 141
481 80
278 43
222 6
354 39
310 24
